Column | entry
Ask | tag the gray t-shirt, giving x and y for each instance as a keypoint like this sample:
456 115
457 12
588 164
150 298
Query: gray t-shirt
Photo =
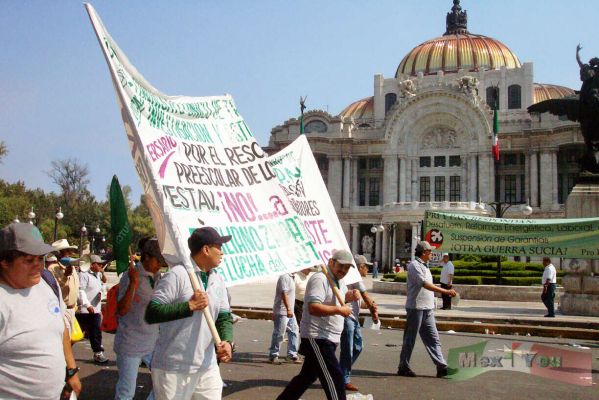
185 345
418 297
92 286
32 364
286 285
318 290
134 336
356 305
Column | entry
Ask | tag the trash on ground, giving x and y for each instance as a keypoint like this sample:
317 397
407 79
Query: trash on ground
359 396
391 345
450 331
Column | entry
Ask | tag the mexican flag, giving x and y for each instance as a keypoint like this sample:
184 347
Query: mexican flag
495 148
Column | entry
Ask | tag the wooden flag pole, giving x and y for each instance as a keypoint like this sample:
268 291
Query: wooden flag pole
195 283
336 290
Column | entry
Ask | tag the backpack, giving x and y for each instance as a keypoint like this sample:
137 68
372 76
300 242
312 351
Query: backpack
51 281
109 318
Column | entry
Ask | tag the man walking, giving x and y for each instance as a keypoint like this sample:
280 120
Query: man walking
135 339
184 363
351 338
321 327
549 282
420 303
375 269
284 320
446 280
91 279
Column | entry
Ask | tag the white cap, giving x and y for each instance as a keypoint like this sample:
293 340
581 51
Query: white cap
445 254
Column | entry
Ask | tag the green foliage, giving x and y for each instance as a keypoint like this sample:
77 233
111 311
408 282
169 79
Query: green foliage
467 280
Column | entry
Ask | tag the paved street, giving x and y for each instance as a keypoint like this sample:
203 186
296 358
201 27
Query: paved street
251 376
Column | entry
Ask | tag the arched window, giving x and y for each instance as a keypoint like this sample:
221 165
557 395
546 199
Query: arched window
390 99
493 97
315 126
514 97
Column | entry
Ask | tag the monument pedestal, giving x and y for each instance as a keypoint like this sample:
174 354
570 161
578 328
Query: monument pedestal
581 282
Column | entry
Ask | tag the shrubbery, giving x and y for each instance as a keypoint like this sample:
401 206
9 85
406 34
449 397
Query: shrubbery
473 272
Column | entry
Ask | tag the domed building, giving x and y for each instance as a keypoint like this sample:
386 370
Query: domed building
423 141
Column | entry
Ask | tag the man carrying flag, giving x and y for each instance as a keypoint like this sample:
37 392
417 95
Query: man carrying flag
184 363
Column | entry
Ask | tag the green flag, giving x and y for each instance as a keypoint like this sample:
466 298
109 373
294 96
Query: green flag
119 225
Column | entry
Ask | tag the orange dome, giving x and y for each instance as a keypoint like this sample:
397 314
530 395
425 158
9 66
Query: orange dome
451 52
457 49
542 92
359 110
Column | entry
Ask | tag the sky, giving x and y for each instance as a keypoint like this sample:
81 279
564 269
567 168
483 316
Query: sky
57 99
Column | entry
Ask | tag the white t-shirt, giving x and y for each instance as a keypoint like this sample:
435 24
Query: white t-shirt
549 273
185 345
301 281
32 364
312 326
447 270
91 285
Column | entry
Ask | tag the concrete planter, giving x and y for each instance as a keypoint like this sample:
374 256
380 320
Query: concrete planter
476 292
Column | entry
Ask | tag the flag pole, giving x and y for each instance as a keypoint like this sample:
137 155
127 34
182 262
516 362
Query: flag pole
336 290
302 108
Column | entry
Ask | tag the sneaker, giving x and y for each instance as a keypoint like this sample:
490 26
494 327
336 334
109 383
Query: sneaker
295 359
441 372
351 387
275 360
100 358
406 372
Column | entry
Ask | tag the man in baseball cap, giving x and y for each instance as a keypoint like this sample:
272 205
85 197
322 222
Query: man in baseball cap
184 349
320 330
36 345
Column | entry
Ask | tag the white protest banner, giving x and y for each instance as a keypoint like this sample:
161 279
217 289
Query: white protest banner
199 165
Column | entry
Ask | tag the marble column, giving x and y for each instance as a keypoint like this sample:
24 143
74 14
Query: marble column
402 179
486 178
548 181
346 181
385 248
377 247
408 182
390 179
554 179
472 181
394 245
463 182
334 183
415 234
534 179
354 186
355 239
414 180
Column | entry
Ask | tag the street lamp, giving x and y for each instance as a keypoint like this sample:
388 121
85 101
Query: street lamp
377 228
31 216
94 236
16 220
83 233
57 217
500 209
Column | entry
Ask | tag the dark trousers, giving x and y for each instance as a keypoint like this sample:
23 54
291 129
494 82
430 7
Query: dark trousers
319 362
298 309
90 324
548 297
446 298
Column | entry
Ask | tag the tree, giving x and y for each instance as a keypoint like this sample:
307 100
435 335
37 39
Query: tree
3 150
72 178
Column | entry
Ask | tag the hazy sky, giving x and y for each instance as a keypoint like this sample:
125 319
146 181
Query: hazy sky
57 100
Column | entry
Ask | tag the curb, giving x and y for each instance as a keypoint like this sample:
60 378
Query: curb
512 327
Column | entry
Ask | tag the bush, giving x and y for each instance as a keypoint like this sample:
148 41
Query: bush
467 280
401 277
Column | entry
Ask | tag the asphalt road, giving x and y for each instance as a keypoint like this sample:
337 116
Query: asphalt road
250 376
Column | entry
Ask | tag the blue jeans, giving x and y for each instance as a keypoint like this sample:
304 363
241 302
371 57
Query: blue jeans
282 324
351 347
375 272
128 367
423 322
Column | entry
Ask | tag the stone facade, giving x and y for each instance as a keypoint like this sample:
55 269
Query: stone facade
423 141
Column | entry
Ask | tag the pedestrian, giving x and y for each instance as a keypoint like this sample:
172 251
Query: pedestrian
301 280
67 278
91 279
135 339
375 269
35 346
184 363
549 282
351 337
420 318
284 321
446 280
320 331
